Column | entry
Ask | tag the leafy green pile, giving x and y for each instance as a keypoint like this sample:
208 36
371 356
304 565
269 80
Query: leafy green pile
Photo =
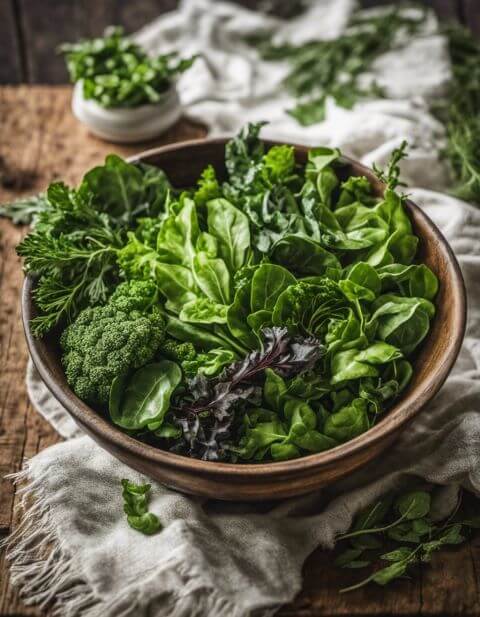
401 531
336 67
265 316
118 73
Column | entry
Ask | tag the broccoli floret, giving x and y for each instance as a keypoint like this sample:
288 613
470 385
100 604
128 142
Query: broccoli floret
107 341
177 351
135 295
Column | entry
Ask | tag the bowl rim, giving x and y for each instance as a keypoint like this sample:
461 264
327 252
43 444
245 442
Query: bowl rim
396 417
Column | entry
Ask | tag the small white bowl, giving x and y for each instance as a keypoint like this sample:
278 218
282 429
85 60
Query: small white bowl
127 125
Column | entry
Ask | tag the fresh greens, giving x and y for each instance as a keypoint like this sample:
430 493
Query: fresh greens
338 68
136 508
146 398
25 211
335 67
73 246
459 112
264 315
401 531
116 72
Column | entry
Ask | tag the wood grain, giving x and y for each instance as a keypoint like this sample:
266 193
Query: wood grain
49 23
11 70
40 141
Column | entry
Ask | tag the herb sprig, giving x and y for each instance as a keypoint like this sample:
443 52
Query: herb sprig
405 525
336 68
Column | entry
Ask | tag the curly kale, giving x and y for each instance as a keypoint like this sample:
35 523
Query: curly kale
107 341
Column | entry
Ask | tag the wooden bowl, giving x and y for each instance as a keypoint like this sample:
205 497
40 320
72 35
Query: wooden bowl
183 163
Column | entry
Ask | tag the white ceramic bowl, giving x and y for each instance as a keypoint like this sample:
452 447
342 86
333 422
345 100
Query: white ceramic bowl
127 125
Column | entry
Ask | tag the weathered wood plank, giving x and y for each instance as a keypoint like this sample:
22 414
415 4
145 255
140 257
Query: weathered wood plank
49 23
10 49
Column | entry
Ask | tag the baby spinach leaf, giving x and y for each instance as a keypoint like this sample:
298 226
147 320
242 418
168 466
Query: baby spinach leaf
347 557
414 505
378 353
399 554
303 256
268 282
364 275
258 320
179 234
347 422
177 284
274 389
124 191
212 277
345 366
237 315
388 574
144 398
230 227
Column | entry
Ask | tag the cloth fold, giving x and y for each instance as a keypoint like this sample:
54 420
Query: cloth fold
73 546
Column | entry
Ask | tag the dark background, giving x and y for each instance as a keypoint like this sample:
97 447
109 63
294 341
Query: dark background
31 30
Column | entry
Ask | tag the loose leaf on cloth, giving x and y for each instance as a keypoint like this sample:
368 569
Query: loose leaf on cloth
136 508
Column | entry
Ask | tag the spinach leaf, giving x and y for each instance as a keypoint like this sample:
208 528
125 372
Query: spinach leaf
212 277
125 190
347 422
268 282
303 256
345 366
144 398
231 229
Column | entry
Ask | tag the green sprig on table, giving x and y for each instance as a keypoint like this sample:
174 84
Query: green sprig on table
401 531
116 72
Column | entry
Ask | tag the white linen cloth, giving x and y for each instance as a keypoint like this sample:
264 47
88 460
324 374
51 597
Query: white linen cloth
214 559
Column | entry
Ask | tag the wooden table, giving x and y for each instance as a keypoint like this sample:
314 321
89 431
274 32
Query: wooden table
40 141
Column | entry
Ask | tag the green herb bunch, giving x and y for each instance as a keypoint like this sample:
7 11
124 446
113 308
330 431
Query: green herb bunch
460 113
334 68
116 72
401 532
